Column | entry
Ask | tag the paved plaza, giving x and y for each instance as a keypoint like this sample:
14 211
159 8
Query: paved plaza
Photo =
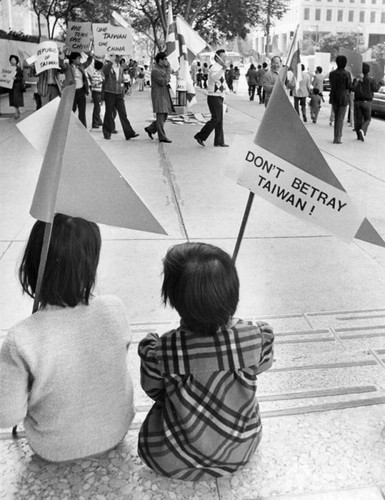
323 400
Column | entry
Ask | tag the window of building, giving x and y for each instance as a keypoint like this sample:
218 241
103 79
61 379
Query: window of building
383 17
374 2
351 16
328 14
362 16
318 14
340 14
373 16
362 1
306 14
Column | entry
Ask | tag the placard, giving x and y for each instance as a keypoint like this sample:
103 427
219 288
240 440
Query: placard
110 39
78 36
7 75
47 56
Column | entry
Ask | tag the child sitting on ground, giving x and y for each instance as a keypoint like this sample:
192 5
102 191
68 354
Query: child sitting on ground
63 370
205 422
315 104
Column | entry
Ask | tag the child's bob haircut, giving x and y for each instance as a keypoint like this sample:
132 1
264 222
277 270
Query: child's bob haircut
201 283
73 258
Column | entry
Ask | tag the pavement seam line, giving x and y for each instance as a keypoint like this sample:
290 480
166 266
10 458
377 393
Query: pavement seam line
167 163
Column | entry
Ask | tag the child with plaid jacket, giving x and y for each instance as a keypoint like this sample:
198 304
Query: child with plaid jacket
205 422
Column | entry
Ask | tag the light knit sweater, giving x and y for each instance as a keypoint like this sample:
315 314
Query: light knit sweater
64 371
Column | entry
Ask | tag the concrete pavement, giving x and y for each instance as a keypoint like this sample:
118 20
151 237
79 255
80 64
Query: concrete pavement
323 402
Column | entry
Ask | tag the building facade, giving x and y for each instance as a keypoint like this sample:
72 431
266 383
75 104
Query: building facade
317 18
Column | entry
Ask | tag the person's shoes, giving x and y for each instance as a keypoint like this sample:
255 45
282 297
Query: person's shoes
108 138
148 132
361 135
164 140
114 131
132 137
304 119
95 126
221 145
199 140
337 142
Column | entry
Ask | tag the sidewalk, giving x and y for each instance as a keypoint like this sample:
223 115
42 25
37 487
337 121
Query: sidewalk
323 401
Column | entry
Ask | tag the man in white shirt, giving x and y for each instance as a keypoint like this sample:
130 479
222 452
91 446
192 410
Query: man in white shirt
301 91
216 88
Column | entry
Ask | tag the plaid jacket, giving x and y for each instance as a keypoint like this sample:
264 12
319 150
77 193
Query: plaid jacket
205 421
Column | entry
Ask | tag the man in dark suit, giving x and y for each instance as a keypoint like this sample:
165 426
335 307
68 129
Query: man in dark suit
340 85
113 88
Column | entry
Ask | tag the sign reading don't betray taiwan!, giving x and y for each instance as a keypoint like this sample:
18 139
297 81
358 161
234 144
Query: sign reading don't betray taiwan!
292 189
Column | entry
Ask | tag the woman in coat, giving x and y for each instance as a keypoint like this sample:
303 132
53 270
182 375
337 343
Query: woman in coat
16 98
160 95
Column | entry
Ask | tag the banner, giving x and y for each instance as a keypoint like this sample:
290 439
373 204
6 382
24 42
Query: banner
47 56
110 39
78 37
7 76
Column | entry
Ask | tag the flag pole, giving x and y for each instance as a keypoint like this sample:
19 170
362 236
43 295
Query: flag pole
243 225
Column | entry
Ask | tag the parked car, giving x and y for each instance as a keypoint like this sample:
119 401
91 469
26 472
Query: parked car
378 103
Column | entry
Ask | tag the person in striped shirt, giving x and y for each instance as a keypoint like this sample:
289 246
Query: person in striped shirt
97 80
202 376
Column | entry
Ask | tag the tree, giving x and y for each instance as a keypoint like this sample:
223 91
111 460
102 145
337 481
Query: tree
332 43
214 20
58 10
378 52
269 10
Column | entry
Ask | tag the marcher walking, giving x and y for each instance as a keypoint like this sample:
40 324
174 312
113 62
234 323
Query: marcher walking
364 86
340 85
114 99
160 95
216 87
16 98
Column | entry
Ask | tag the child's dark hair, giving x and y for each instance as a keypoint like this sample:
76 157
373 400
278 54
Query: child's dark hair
201 283
315 91
72 260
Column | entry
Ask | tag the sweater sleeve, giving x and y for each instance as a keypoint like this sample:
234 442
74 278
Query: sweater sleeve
14 381
151 379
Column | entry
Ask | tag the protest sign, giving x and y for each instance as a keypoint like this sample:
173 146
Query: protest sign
7 76
78 36
292 189
47 56
110 39
284 166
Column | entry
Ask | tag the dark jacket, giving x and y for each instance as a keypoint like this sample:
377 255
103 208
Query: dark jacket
69 73
340 86
364 88
111 84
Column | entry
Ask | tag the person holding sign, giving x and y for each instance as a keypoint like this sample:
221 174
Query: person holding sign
75 74
202 376
160 95
216 87
114 99
63 370
16 98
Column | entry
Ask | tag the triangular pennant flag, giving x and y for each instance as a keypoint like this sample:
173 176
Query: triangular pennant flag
366 232
279 132
89 185
285 167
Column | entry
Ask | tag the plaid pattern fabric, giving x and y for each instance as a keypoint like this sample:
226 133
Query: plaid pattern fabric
205 422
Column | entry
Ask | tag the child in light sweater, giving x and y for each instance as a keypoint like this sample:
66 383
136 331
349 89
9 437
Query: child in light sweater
63 369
